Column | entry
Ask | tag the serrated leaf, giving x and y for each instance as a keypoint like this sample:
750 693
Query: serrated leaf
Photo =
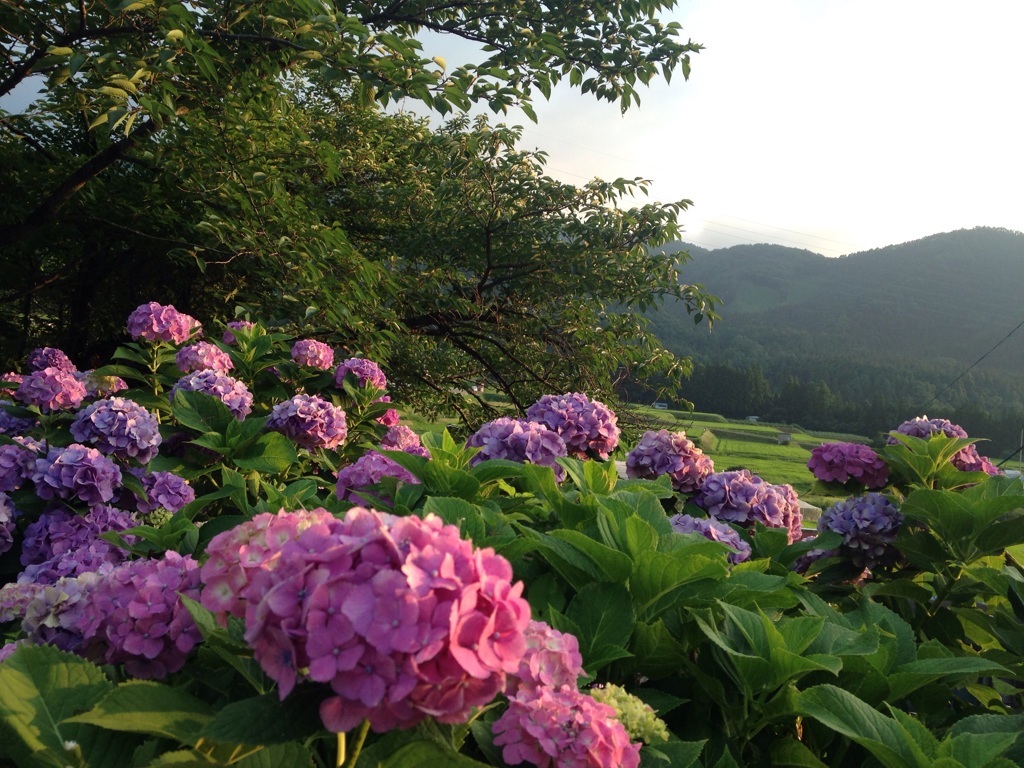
144 706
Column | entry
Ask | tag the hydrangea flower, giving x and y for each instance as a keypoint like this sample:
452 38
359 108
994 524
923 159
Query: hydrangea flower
49 357
967 459
519 440
51 389
563 728
160 322
868 524
77 472
203 356
309 421
390 417
366 371
842 462
313 354
356 480
589 428
53 615
713 530
739 497
7 518
402 438
552 659
13 425
669 453
401 617
236 325
230 391
101 386
165 490
638 718
134 616
17 464
60 543
119 427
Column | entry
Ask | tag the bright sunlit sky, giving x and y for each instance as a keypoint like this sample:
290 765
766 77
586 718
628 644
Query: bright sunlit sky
831 125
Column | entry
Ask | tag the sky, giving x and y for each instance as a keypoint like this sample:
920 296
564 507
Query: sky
832 125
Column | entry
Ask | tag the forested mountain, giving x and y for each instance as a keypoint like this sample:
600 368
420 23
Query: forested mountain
856 342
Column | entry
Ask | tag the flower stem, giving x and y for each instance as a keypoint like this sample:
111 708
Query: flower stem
360 740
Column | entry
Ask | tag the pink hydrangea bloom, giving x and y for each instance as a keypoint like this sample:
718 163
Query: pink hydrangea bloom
313 354
669 453
400 438
356 480
52 389
398 615
160 322
203 356
841 462
366 371
552 659
391 417
589 428
562 728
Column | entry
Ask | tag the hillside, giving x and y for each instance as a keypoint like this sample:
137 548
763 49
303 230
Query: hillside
893 325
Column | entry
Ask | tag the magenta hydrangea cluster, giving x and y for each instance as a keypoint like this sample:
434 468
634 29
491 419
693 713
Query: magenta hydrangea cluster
367 372
390 417
843 462
313 354
134 616
669 453
356 481
51 389
118 427
519 440
161 322
737 496
714 530
230 391
400 617
967 459
203 356
62 543
309 421
8 513
77 472
869 525
589 428
164 490
50 357
236 325
549 721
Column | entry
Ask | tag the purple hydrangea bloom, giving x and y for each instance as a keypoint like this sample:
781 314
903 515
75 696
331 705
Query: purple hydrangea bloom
236 325
119 427
159 322
868 524
230 391
366 371
7 516
967 459
673 454
715 531
135 616
313 354
841 462
165 490
14 598
61 543
203 356
54 614
13 425
49 357
77 472
52 389
101 386
589 428
17 464
519 440
355 480
739 497
309 421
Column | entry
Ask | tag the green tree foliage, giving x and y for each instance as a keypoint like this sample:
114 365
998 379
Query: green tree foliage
206 153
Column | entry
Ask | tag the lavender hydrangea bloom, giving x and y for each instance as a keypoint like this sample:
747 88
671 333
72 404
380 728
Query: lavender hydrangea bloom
519 440
589 428
7 517
159 322
13 425
119 427
236 325
230 391
52 389
61 543
842 462
739 497
868 524
715 531
77 472
54 614
313 354
967 459
17 464
101 386
203 356
366 371
369 469
49 357
673 454
165 490
309 421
